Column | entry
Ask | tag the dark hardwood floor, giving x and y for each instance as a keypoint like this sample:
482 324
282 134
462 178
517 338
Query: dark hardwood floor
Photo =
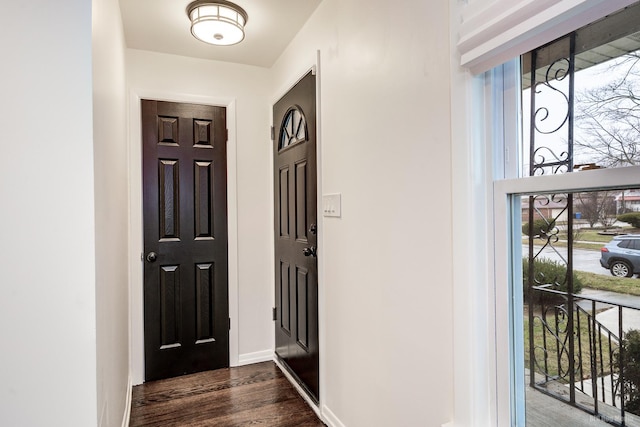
252 395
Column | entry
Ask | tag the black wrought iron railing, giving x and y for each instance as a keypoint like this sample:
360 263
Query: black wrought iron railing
579 362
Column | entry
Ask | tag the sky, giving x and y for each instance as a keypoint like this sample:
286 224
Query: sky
556 110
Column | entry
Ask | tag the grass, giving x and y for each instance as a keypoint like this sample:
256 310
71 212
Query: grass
586 238
630 286
563 244
541 333
587 235
590 236
622 285
584 245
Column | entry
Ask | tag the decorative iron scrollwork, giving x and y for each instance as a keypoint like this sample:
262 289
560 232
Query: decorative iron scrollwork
552 112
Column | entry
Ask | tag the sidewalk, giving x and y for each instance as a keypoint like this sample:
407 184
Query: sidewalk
609 316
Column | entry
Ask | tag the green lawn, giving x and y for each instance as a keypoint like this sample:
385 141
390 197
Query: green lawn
563 244
542 335
590 236
630 286
601 282
596 241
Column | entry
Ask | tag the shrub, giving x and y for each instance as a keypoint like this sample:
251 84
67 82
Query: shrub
631 371
541 227
548 272
632 218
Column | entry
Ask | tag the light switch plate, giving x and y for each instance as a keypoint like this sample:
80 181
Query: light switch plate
332 205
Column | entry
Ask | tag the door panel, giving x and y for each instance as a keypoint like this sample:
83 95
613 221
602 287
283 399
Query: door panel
301 201
185 239
302 292
284 202
295 218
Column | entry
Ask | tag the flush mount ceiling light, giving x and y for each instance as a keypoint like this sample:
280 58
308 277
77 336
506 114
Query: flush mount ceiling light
217 22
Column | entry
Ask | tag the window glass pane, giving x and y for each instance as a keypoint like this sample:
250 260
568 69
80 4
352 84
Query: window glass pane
294 128
581 107
576 306
546 132
581 302
607 110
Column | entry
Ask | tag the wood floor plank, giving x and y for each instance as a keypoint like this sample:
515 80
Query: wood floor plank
253 395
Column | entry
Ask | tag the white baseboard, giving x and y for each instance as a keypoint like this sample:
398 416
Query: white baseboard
298 388
126 417
330 418
257 357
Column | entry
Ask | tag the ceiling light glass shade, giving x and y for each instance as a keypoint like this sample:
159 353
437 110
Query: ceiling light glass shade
217 22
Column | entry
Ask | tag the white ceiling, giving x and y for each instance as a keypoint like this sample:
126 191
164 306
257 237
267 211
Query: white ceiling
163 26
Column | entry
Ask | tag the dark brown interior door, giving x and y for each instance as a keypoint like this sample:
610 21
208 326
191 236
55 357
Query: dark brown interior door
295 233
186 313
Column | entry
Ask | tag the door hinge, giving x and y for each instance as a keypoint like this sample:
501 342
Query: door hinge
229 323
274 313
273 133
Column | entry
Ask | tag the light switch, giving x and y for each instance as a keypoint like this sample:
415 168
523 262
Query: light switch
332 205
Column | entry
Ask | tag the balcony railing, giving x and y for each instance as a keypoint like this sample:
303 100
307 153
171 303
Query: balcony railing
575 352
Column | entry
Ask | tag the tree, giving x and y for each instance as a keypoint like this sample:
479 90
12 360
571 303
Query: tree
608 214
541 227
597 206
608 116
632 218
631 371
548 272
589 207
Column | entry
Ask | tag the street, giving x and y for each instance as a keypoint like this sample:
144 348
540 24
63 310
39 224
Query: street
583 259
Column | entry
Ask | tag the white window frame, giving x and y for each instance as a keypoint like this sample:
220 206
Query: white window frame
507 260
485 33
507 236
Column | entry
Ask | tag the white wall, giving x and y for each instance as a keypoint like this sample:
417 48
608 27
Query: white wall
111 204
47 257
195 80
386 321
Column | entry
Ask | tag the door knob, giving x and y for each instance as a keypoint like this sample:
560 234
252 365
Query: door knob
310 251
152 257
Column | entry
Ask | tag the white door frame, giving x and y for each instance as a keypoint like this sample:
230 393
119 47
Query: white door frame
136 237
320 410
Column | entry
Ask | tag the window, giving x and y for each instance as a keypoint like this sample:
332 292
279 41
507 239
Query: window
293 129
581 148
581 99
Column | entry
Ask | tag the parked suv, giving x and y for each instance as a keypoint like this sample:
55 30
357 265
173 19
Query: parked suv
622 255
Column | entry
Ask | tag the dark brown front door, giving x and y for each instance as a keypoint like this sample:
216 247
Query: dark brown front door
186 313
295 233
